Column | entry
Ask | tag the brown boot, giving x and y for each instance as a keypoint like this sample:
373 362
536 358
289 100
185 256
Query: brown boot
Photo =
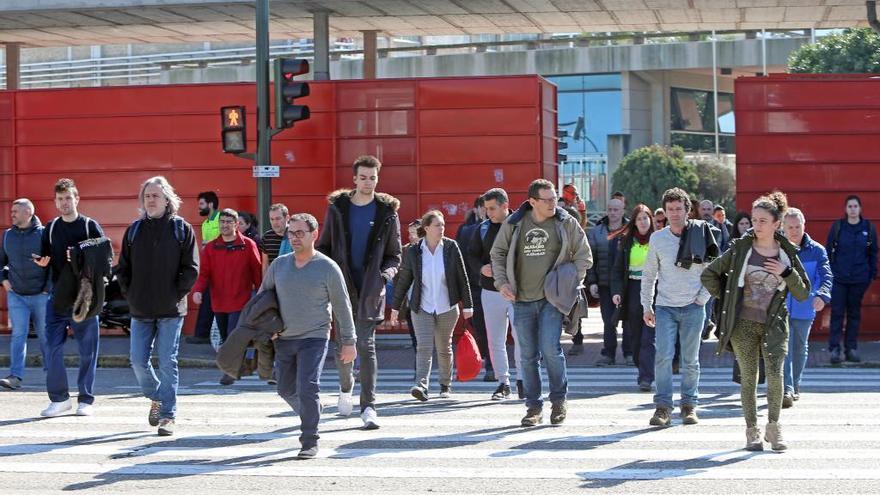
557 414
689 415
774 437
753 439
661 417
534 416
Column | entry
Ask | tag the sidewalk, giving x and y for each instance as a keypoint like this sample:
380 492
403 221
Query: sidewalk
395 352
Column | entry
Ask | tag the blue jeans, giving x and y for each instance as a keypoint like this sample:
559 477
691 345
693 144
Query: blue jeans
164 333
298 365
538 325
21 310
798 350
87 338
686 322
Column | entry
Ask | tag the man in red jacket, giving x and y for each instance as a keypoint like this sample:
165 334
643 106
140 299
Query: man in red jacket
231 269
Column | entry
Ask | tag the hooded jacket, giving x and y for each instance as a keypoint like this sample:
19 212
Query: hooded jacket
818 270
575 248
156 269
410 275
724 278
383 250
27 278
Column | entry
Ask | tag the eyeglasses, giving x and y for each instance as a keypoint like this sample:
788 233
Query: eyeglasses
299 234
228 222
550 200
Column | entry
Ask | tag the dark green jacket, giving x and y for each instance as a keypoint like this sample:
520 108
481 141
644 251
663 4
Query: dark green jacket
722 279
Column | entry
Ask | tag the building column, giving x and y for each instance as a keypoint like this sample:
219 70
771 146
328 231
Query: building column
371 50
13 65
321 71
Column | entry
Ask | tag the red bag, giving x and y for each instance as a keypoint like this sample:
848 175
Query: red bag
468 361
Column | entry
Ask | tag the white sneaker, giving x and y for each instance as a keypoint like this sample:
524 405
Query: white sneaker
57 408
343 405
85 409
370 418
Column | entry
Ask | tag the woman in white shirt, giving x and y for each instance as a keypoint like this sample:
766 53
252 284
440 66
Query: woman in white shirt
434 268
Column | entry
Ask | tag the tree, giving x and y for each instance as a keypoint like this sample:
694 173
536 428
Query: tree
717 183
646 173
848 52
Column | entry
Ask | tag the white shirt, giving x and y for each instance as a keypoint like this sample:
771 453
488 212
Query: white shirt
435 290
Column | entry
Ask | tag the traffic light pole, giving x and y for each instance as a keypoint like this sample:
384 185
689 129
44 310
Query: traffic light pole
264 137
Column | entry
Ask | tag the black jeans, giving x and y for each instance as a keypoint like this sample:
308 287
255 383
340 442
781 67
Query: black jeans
609 333
205 319
846 301
478 325
642 336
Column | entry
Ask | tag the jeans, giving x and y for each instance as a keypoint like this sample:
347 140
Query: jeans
499 313
369 370
642 336
226 322
846 299
687 323
798 351
21 310
539 327
87 339
300 362
164 334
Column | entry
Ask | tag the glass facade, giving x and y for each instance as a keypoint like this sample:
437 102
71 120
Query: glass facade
692 121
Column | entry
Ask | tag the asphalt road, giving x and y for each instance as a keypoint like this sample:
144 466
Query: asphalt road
243 439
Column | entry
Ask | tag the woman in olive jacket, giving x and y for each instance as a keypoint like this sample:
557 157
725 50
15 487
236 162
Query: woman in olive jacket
751 281
434 268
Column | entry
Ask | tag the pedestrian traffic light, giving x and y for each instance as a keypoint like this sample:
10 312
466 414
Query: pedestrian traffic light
233 132
287 90
561 134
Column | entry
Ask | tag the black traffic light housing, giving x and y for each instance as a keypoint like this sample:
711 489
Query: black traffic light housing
561 134
287 91
233 127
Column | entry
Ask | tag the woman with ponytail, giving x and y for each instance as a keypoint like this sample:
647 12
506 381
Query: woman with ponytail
752 280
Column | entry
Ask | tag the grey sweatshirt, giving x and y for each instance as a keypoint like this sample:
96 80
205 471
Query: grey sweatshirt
307 295
676 287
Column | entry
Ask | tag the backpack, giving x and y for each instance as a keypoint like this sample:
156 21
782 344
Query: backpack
52 227
177 224
835 236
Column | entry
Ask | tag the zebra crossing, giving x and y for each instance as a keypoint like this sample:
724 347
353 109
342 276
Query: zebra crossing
245 436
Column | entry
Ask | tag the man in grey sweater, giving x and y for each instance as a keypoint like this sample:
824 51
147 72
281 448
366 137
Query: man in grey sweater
680 310
311 292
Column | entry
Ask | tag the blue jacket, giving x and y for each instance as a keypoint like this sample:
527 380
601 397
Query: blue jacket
853 253
818 270
26 277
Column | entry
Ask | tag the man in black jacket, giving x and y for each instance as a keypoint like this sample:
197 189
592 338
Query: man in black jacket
362 235
157 268
466 232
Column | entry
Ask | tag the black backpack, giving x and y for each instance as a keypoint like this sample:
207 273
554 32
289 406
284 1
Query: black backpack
177 224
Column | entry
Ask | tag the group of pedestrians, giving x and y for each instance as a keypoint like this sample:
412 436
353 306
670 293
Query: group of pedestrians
530 269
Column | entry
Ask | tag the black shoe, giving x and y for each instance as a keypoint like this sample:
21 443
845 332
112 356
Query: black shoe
852 356
153 417
707 332
558 413
836 356
520 392
308 452
227 380
502 392
489 376
419 393
197 340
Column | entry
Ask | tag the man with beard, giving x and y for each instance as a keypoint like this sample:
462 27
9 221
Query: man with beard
209 205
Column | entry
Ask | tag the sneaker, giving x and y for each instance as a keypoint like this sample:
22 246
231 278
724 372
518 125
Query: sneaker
534 416
605 361
57 408
836 356
445 391
11 382
153 418
645 386
308 452
370 419
272 381
576 350
787 401
520 392
629 361
661 417
688 415
796 395
419 393
558 412
773 436
707 332
197 340
852 356
343 404
753 439
166 427
227 380
84 409
490 376
502 392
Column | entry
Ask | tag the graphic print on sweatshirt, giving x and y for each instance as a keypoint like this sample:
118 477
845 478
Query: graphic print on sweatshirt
535 242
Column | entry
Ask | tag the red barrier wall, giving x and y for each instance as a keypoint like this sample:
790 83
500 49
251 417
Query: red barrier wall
817 138
442 142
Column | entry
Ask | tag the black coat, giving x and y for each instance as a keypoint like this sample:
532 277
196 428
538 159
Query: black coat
411 275
260 319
